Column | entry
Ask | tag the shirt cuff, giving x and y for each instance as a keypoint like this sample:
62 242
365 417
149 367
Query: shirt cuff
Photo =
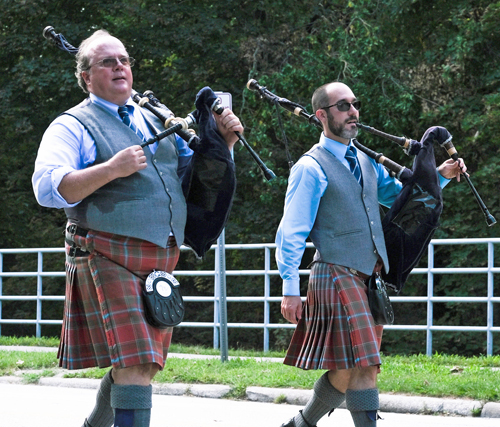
291 287
183 147
443 181
57 176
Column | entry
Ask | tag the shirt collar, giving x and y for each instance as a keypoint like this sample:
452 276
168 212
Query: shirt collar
109 106
335 147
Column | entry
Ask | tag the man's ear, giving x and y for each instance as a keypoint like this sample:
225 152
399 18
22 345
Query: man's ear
86 77
321 114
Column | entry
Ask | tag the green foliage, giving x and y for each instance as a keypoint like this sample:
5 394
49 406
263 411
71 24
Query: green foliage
469 378
413 63
29 341
34 377
12 361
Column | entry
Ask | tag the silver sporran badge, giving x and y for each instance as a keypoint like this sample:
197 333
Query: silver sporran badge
163 300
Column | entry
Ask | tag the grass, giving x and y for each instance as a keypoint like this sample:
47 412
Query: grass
438 376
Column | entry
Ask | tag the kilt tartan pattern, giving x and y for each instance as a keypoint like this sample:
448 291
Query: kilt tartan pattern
336 330
104 322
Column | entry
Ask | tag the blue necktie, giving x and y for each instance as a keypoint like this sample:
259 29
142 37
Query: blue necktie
351 158
124 114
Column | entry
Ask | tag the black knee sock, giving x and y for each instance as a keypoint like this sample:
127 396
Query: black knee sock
102 414
363 405
132 405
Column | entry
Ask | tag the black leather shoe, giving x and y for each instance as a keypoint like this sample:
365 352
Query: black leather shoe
290 423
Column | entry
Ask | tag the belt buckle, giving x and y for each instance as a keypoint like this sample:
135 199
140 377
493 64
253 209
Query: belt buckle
355 272
71 229
76 252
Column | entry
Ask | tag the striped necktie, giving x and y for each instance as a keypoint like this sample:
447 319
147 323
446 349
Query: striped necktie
124 114
351 158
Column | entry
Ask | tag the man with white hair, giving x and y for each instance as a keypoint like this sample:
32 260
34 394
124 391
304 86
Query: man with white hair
126 216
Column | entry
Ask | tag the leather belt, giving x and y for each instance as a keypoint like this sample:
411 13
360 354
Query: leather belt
75 251
75 230
362 276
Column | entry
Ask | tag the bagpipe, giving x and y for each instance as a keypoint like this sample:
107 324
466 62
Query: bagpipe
414 216
209 183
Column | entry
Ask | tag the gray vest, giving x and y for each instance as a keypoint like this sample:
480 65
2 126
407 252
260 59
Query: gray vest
148 204
348 229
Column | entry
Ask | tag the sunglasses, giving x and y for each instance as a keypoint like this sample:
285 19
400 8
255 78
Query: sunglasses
345 106
126 61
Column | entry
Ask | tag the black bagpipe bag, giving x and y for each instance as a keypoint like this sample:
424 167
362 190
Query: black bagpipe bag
209 182
414 217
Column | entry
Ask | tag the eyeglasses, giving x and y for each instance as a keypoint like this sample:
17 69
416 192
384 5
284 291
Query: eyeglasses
126 61
345 106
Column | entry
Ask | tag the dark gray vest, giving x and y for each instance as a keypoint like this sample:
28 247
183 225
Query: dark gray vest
148 204
348 229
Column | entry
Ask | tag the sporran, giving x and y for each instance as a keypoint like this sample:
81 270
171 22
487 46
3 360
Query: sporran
379 302
163 300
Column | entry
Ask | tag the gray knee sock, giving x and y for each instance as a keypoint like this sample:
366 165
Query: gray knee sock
102 414
132 405
363 405
325 399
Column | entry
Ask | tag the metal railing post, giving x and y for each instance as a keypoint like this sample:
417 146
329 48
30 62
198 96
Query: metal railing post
222 305
430 294
216 300
39 291
489 309
267 294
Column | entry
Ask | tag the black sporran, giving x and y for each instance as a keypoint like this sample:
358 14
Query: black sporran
379 302
163 300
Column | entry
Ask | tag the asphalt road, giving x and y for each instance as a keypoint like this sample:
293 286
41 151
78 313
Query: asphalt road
46 406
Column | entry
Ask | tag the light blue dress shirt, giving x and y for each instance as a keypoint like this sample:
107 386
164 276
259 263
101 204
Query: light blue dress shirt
67 146
306 185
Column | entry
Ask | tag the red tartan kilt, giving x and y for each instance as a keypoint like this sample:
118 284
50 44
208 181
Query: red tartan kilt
104 322
336 330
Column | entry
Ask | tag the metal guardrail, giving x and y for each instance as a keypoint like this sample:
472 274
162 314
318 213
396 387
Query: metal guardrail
430 299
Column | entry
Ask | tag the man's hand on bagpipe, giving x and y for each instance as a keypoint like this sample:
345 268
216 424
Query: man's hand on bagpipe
228 124
452 169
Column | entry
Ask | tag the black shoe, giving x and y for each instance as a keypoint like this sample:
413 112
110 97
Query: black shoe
290 423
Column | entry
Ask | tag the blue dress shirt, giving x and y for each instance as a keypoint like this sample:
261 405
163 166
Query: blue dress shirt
67 146
306 185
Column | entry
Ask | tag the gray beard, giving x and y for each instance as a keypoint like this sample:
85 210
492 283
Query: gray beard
340 130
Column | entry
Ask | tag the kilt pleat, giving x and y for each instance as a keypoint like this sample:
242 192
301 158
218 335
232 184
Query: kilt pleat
336 330
104 322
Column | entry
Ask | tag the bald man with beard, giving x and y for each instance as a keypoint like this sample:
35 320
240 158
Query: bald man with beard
333 197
